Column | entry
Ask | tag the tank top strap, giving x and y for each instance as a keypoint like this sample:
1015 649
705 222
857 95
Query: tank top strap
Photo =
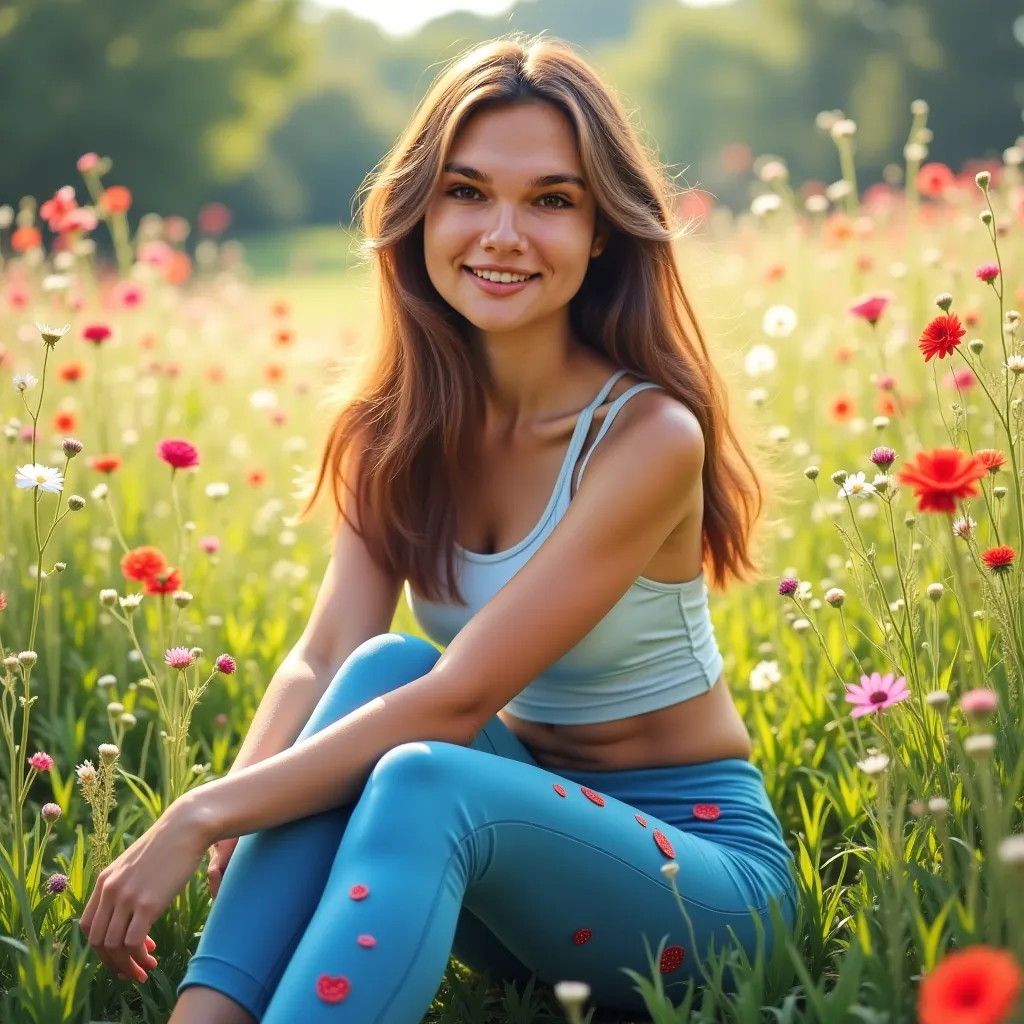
609 416
583 421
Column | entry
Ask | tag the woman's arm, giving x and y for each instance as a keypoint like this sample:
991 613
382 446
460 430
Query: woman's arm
635 497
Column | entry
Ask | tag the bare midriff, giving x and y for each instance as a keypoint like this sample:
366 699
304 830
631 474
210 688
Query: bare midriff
704 728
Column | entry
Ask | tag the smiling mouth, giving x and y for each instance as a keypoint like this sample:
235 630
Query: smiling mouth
480 277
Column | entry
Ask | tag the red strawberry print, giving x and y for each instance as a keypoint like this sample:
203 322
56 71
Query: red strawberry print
707 812
641 819
560 790
359 892
581 936
663 844
332 990
672 959
592 796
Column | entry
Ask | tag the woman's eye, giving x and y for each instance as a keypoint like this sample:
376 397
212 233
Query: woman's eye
562 201
457 188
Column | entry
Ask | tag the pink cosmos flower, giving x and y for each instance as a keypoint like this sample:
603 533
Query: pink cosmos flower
177 453
980 701
871 308
987 272
225 664
876 693
41 762
179 657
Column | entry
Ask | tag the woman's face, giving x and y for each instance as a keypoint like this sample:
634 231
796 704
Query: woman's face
512 196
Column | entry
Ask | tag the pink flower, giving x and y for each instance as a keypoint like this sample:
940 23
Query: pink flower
50 812
128 294
86 162
961 378
209 544
883 456
885 382
177 453
179 657
157 253
57 883
987 272
980 701
788 586
876 693
225 664
3 600
96 333
871 308
41 762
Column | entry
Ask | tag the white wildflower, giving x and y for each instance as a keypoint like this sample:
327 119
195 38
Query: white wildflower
856 486
23 381
779 322
764 675
761 359
963 526
45 478
874 764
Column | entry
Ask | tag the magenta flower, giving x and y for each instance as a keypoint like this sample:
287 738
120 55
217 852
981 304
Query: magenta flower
871 308
50 812
57 883
788 586
987 272
981 701
225 664
41 762
876 693
177 453
209 544
883 456
179 657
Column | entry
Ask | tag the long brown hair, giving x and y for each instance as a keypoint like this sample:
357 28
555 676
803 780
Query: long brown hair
413 406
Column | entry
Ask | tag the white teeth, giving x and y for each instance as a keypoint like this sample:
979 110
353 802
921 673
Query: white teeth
502 276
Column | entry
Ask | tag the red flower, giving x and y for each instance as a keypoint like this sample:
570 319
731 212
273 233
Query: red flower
993 458
284 337
215 374
941 336
214 218
274 372
999 559
116 199
871 308
987 272
26 238
933 180
256 477
142 562
71 371
3 600
941 476
105 463
64 422
166 581
843 407
177 453
978 985
279 308
96 333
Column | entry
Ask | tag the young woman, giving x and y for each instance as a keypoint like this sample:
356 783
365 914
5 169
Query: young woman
541 454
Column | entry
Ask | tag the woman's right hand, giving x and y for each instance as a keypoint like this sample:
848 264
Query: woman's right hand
220 854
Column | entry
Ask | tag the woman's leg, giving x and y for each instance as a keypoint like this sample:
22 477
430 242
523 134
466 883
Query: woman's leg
567 879
275 878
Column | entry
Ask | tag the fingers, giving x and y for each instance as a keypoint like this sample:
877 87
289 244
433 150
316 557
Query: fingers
136 944
116 930
115 948
213 877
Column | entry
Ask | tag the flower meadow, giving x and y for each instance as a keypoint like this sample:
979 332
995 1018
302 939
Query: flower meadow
160 408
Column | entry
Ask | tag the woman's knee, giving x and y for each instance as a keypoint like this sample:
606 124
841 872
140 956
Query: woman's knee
420 765
376 667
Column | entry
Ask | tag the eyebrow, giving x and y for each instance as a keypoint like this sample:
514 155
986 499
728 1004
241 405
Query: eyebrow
538 182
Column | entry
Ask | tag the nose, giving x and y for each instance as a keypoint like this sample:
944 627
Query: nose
503 233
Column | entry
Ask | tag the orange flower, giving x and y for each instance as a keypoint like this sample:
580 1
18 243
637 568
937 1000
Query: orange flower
941 336
165 581
105 463
71 371
279 308
256 477
775 272
274 372
26 238
179 269
284 337
64 422
941 476
993 458
843 354
116 199
843 407
886 406
143 562
977 985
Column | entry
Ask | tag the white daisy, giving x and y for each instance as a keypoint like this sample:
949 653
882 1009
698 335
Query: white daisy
1015 363
779 322
46 478
24 381
764 675
856 486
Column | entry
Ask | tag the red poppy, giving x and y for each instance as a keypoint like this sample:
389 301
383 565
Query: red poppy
942 476
941 336
71 371
284 337
26 238
999 559
105 463
993 458
977 985
64 422
166 581
142 562
843 408
972 317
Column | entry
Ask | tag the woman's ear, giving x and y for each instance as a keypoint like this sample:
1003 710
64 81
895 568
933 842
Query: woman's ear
602 229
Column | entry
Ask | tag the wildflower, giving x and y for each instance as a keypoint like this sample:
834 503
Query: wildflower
217 490
671 869
980 701
108 753
993 459
28 658
209 544
961 378
96 333
23 381
976 345
76 503
115 707
839 476
116 199
108 462
779 322
41 762
856 486
178 454
941 476
788 586
764 675
572 994
871 308
977 985
938 805
812 472
3 600
143 562
876 693
179 657
1011 850
874 764
108 679
108 597
86 773
181 598
50 812
941 336
99 492
225 664
166 581
999 559
935 591
933 179
883 456
962 526
71 447
801 625
44 478
51 335
761 359
980 745
1015 364
987 272
128 720
56 883
129 603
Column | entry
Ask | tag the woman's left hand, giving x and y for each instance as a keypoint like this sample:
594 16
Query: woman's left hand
134 890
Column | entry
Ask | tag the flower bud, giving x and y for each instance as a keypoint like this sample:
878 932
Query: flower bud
181 598
76 502
100 491
108 753
985 217
196 652
50 812
1012 317
999 492
944 300
115 707
909 520
937 699
61 566
811 472
72 446
108 598
128 720
935 591
671 869
976 345
980 745
835 597
572 994
11 662
28 658
938 805
919 108
982 179
839 477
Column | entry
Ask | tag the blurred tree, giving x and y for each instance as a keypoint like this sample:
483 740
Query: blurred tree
180 95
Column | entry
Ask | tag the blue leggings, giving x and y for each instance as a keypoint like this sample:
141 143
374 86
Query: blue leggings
478 852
